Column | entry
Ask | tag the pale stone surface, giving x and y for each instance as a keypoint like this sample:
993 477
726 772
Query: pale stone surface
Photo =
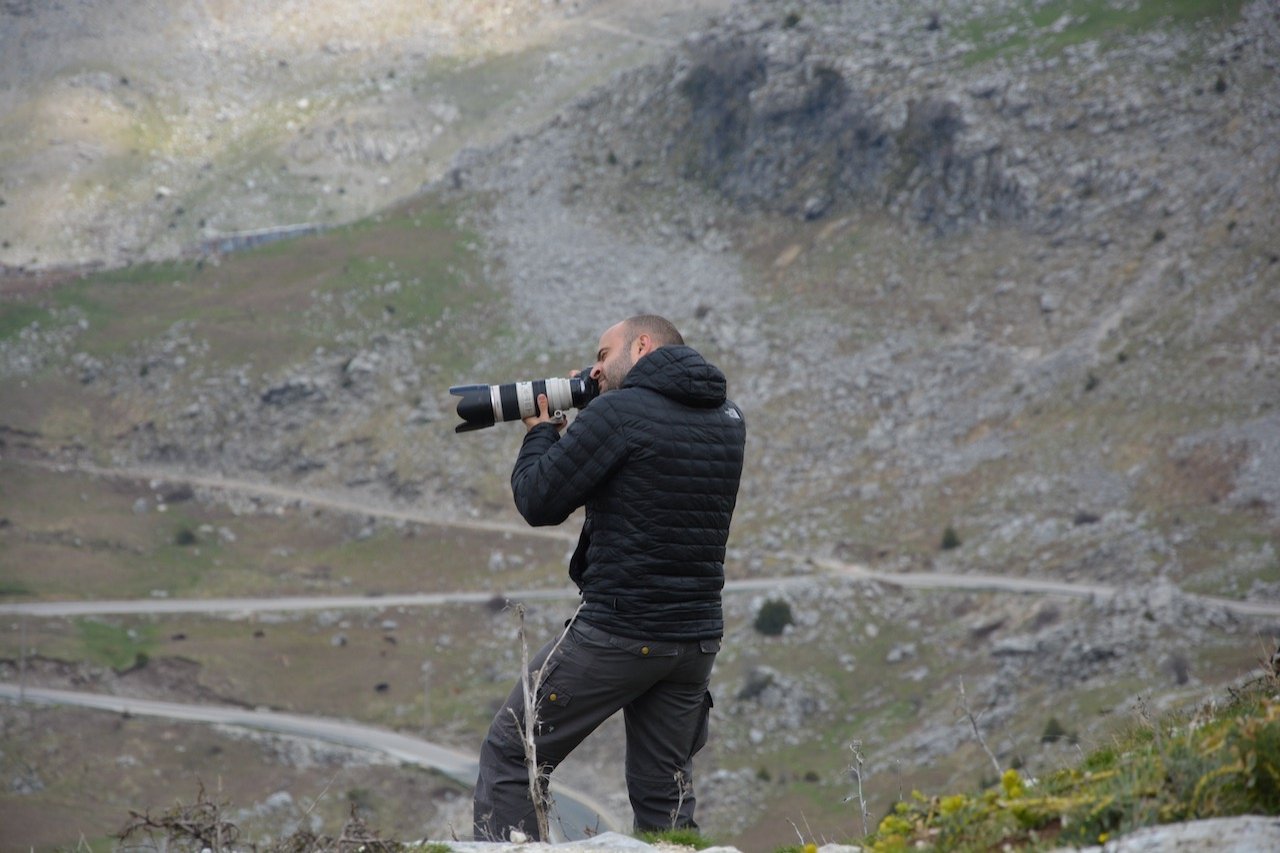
1247 834
607 842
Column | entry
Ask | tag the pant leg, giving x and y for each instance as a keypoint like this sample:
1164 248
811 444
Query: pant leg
502 801
586 681
666 726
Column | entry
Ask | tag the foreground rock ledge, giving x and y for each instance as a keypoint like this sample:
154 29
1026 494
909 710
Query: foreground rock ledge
1217 835
606 842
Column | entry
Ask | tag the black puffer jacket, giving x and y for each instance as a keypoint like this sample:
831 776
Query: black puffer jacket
657 464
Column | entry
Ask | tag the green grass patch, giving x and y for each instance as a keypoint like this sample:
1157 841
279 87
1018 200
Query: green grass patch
683 837
14 318
273 305
12 589
114 645
1050 27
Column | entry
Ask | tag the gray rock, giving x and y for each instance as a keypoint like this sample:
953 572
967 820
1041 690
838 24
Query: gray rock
1247 834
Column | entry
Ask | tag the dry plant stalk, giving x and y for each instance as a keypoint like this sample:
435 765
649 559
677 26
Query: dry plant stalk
855 770
1144 714
973 721
539 791
684 788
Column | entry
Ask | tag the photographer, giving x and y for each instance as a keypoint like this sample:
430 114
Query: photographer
656 460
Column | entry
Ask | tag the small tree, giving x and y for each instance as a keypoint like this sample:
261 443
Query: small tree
774 617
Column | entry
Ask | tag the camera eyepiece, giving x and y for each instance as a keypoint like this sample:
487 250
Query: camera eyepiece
485 405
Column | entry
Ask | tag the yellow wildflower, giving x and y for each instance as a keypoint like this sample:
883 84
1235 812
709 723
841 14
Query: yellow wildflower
1012 784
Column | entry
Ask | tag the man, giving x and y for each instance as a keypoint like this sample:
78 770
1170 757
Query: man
656 460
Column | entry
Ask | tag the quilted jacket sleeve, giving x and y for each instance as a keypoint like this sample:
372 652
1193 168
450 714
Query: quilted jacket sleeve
555 474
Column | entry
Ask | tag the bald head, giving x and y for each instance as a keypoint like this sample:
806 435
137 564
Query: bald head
659 329
624 343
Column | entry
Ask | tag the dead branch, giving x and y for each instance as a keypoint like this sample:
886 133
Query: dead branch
200 823
973 721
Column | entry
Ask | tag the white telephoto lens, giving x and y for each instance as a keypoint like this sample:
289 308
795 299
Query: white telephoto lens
559 395
525 399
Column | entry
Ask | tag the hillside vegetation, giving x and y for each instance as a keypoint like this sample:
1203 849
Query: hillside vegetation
1221 760
997 285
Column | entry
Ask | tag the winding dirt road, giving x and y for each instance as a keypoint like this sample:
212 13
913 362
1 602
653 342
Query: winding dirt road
575 808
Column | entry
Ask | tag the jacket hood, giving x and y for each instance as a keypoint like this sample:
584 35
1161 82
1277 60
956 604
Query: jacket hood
681 373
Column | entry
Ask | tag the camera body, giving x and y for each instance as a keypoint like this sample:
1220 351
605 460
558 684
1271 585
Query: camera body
485 405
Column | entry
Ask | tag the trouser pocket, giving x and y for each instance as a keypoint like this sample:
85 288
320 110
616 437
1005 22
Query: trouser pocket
704 720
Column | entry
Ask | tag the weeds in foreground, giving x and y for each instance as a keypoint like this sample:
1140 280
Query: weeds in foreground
1216 762
203 826
681 837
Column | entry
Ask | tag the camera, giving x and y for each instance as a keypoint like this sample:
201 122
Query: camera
485 405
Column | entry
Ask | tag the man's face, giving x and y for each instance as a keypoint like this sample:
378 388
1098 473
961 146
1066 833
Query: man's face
613 359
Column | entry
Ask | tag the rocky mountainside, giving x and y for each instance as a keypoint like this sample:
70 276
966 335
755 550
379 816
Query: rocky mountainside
133 131
997 284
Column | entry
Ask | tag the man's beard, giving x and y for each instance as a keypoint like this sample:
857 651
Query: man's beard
615 373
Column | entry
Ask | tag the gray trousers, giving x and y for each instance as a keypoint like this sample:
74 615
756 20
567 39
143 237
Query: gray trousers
661 688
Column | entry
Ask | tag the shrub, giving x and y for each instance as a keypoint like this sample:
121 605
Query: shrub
950 539
774 617
1054 731
118 647
360 800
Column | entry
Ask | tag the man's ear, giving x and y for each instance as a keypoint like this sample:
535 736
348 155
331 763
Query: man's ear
644 344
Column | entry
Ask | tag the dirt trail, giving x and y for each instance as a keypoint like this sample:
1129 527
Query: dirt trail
576 808
286 495
270 491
